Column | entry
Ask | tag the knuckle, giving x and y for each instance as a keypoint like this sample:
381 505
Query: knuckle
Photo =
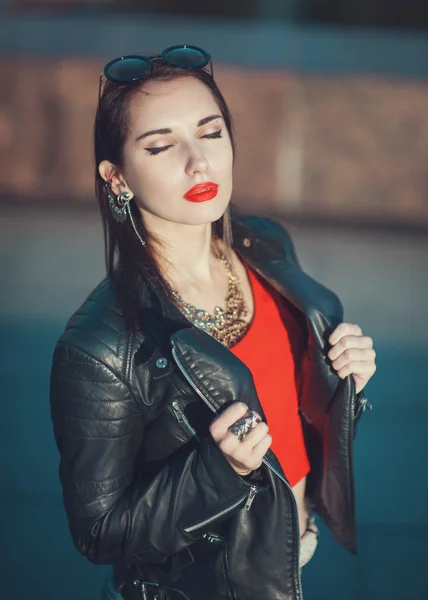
345 327
348 353
225 446
263 427
369 341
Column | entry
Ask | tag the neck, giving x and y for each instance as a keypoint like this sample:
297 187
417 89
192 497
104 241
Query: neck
185 251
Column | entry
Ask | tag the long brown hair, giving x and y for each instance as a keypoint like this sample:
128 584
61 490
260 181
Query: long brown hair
128 262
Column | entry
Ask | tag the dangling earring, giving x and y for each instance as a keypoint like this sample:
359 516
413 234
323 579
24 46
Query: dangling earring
117 207
131 218
120 208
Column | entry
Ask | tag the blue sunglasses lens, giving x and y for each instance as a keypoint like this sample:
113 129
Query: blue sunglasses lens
128 69
186 57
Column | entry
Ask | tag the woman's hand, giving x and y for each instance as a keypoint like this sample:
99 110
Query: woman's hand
247 454
352 354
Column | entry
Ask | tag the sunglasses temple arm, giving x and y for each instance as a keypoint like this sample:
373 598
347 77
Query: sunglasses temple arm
99 89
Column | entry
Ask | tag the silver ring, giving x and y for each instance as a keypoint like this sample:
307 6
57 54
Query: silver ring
244 425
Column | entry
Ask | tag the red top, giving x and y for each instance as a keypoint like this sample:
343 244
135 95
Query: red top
271 349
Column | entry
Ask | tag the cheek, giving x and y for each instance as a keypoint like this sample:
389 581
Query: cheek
145 175
221 158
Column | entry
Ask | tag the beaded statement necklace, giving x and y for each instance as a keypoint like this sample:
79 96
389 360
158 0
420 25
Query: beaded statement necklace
227 325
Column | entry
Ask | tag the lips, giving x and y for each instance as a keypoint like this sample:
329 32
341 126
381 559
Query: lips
202 192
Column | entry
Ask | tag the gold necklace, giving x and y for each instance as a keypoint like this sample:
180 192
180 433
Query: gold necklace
228 325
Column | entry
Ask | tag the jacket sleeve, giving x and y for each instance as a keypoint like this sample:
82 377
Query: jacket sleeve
117 513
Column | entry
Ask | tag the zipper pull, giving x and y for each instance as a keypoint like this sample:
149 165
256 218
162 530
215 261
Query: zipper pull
177 411
365 404
251 496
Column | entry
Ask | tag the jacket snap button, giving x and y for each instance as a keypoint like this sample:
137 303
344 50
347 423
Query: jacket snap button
246 242
161 363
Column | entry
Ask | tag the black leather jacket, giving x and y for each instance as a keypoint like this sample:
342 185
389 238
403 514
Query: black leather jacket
145 486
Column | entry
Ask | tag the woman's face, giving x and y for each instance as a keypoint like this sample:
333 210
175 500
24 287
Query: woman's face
178 139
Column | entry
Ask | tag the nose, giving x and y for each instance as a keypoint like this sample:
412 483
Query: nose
196 162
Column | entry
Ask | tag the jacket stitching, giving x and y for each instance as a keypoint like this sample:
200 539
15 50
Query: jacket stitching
109 306
80 362
113 437
103 497
102 420
75 398
59 376
200 382
93 316
114 351
98 362
128 358
90 482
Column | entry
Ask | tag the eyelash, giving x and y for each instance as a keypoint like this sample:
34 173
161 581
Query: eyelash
210 136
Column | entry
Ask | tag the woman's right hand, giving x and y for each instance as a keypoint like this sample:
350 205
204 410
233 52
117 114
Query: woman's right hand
244 455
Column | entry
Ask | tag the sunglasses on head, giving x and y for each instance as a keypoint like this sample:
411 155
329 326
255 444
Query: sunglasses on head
127 69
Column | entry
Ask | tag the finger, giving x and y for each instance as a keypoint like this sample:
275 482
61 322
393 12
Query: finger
229 445
260 449
357 368
342 330
253 459
253 437
354 355
220 425
347 342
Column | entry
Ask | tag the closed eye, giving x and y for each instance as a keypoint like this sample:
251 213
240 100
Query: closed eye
154 151
214 135
210 136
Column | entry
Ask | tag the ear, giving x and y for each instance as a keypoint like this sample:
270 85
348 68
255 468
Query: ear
110 172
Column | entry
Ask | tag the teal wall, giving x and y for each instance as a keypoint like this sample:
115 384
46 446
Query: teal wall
260 43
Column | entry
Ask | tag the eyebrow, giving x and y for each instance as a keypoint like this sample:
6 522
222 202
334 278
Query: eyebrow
166 130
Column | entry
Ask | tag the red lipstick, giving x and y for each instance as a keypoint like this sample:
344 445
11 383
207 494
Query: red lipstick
202 192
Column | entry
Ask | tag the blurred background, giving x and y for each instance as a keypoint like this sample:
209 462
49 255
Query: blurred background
330 99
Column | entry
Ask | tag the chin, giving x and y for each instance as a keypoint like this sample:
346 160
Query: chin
205 212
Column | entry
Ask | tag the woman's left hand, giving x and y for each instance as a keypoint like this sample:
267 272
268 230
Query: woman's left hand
352 354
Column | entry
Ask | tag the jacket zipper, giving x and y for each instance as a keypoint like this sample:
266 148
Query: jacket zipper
181 417
296 537
362 406
146 587
249 497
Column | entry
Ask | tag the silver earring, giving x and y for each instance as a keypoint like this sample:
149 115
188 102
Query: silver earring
117 206
131 218
120 208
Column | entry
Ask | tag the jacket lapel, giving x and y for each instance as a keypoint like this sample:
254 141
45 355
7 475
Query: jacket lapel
320 307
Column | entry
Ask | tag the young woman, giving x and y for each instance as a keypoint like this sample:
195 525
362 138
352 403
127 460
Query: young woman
205 395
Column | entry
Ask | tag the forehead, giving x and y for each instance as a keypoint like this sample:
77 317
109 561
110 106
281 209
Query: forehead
166 103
